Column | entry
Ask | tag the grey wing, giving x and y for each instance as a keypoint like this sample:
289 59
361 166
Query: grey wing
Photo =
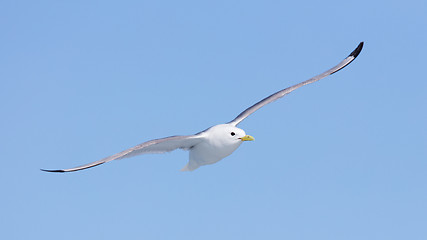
285 91
154 146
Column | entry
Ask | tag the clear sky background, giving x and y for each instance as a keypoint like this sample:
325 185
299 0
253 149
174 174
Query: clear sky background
344 158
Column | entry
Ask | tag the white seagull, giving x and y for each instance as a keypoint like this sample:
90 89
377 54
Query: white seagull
217 142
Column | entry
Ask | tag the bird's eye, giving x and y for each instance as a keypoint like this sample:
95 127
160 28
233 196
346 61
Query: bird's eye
232 134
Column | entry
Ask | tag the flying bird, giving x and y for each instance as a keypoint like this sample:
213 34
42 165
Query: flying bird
217 142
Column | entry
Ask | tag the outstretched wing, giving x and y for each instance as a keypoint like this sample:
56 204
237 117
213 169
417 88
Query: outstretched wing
285 91
154 146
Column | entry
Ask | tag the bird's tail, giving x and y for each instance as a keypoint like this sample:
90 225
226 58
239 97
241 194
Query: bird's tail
191 166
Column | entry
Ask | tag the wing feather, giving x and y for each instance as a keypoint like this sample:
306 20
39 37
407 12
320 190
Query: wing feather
281 93
154 146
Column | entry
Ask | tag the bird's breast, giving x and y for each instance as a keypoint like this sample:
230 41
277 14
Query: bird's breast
223 149
209 152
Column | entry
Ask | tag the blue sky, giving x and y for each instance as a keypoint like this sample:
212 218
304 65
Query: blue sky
344 158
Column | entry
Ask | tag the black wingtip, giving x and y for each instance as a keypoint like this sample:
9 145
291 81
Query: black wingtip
45 170
356 51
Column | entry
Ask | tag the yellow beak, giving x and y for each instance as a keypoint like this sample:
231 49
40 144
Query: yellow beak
247 138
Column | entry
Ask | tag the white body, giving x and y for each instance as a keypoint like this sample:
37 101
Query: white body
217 143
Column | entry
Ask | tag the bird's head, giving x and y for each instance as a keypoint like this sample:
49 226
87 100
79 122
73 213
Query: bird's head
228 134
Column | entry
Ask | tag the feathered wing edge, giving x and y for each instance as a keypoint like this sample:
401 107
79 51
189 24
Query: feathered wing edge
285 91
154 146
